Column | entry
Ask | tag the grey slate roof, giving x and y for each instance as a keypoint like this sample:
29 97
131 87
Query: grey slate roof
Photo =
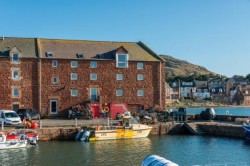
27 46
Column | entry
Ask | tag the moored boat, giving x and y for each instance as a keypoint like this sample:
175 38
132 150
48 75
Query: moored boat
11 143
246 127
129 128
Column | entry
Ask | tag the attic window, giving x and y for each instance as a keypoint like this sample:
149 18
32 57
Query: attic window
122 60
50 54
80 56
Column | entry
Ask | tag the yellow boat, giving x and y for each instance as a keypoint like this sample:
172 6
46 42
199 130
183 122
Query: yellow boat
129 128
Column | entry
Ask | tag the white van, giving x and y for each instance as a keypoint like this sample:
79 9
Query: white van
9 117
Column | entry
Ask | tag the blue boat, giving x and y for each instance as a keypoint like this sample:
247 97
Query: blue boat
246 128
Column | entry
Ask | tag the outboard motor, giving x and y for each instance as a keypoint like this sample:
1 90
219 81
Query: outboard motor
155 160
208 114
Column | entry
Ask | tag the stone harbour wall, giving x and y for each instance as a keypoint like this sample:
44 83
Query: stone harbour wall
46 134
226 130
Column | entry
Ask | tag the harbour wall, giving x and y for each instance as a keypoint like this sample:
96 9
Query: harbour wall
222 129
211 128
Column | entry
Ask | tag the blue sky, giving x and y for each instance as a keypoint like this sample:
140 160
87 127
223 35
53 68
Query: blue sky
211 33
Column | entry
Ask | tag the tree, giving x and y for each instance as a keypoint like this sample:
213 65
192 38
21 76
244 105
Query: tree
247 77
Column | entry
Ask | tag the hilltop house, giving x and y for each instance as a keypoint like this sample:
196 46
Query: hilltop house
202 91
187 89
53 75
175 92
242 97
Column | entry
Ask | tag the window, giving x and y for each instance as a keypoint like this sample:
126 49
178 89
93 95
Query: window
74 76
80 56
93 76
49 54
119 77
74 64
119 92
139 65
140 93
122 60
15 92
55 80
74 92
54 63
15 58
15 75
94 94
140 76
93 64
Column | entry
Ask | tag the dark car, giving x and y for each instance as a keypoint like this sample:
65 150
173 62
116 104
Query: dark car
28 113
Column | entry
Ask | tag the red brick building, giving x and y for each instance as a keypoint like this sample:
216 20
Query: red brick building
54 75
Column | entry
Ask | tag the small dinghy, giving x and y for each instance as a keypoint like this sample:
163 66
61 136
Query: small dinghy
11 143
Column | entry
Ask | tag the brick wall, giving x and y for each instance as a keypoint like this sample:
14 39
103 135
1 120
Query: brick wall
106 83
27 83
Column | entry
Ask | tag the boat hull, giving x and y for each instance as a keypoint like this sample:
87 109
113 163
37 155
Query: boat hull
13 145
121 133
247 130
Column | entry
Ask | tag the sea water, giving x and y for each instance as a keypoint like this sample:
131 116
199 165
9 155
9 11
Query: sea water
184 150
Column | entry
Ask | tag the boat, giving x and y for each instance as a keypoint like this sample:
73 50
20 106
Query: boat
11 143
129 128
28 134
246 127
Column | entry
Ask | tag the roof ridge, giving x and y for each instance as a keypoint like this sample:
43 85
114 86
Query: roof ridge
88 40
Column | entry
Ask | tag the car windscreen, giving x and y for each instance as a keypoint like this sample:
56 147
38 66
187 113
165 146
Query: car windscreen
11 115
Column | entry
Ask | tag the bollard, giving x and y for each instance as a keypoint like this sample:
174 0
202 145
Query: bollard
40 124
2 125
76 122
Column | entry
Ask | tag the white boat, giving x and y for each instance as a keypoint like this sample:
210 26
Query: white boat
129 128
11 144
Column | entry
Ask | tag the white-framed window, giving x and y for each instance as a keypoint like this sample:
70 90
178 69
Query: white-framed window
140 77
15 58
119 92
54 63
122 60
213 90
15 74
93 76
140 92
15 92
73 76
74 64
74 92
55 80
220 90
93 64
119 76
140 65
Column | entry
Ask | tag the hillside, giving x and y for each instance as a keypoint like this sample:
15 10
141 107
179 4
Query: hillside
177 67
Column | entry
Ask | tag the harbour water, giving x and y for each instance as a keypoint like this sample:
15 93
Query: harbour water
182 149
237 111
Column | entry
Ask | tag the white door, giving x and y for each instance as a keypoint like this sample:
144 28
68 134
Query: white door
53 106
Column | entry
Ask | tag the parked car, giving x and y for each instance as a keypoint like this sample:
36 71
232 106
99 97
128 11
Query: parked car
9 117
28 113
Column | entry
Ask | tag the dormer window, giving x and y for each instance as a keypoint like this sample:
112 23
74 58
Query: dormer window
122 60
80 56
15 58
50 54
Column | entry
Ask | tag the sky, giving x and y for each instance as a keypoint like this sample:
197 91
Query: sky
211 33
